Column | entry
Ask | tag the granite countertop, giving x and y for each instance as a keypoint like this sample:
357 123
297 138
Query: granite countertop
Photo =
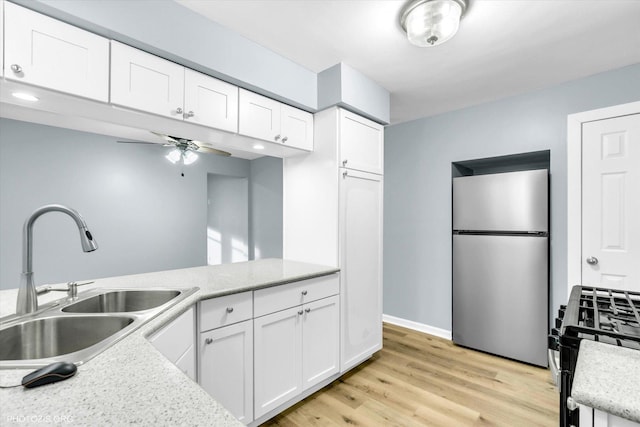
131 382
606 378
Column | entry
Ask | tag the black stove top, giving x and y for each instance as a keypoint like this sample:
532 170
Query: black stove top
600 314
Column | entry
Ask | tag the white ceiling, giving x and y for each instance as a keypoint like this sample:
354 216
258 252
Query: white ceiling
504 47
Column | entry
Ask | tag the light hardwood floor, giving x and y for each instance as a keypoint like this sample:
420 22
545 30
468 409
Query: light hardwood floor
418 379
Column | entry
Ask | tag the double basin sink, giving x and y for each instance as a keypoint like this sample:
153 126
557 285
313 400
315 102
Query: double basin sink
79 329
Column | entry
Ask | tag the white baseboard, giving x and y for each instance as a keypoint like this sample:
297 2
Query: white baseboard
416 326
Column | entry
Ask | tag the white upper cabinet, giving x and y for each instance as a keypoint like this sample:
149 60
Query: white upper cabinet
361 145
146 82
210 102
45 52
296 127
149 83
263 118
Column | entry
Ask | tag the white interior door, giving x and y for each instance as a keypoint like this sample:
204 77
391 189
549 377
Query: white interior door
611 203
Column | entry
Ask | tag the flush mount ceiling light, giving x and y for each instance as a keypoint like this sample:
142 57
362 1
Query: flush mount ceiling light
432 22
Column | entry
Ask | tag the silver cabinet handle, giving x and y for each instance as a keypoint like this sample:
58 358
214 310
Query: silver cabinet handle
592 260
344 174
344 163
299 312
208 341
307 310
285 139
179 110
16 68
229 309
277 137
189 114
304 293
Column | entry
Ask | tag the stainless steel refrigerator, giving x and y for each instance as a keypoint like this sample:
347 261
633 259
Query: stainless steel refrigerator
501 264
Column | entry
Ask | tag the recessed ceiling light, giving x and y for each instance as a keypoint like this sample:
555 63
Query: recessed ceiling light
25 96
258 147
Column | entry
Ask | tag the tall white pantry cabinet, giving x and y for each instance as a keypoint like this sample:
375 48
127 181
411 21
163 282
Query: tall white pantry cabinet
333 216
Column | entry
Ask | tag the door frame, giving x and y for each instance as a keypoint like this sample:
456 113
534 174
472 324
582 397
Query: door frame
574 182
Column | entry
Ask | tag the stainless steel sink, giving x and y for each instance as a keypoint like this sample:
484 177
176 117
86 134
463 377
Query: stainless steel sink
79 329
55 336
122 301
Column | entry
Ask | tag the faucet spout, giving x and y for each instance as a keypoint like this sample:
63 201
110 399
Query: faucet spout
27 296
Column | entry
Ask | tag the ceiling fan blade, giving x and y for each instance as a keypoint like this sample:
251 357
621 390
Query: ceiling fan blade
210 150
136 142
167 138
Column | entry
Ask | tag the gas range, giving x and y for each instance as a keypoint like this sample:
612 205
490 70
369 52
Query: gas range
609 316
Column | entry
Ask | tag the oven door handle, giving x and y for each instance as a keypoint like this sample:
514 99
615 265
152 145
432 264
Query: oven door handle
553 365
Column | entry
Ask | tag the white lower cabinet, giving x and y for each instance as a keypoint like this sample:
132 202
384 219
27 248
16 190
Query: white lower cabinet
590 417
278 357
320 341
176 341
225 348
295 349
226 367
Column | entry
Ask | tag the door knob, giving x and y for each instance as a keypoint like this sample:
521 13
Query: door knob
592 260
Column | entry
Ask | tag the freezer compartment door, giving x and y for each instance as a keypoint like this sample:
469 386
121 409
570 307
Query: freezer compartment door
500 295
513 201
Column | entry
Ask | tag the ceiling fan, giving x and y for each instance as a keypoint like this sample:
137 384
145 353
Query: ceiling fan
185 149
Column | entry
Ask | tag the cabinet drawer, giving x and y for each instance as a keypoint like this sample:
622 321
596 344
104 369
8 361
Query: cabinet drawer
222 311
278 298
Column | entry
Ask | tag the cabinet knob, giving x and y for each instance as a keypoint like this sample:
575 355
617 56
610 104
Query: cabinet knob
189 114
344 174
592 260
16 68
208 341
179 110
229 309
277 137
304 293
285 139
344 163
299 312
307 310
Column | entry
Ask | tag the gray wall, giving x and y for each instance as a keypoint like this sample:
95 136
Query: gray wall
265 195
418 156
143 214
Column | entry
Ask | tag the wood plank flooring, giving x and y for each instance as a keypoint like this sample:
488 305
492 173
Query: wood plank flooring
421 380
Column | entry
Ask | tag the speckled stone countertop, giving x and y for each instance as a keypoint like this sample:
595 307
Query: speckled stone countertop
131 382
606 378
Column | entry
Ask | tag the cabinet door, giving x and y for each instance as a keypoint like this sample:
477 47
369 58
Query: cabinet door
176 341
277 359
296 127
45 52
320 340
259 117
146 82
361 144
210 102
361 265
226 367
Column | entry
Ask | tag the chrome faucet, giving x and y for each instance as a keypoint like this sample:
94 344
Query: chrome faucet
27 296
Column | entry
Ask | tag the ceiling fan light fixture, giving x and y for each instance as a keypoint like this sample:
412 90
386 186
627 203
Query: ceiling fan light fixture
189 157
432 22
174 156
